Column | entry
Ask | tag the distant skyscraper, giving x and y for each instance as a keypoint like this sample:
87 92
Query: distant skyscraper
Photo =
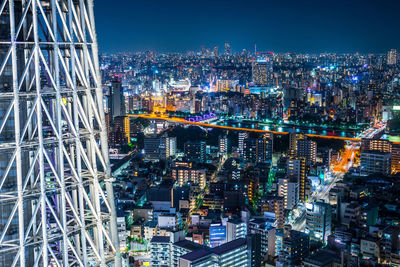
116 100
215 51
262 72
392 57
228 50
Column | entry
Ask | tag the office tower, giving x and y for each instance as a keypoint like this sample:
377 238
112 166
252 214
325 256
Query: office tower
54 154
241 137
293 138
289 190
392 57
235 229
215 51
195 151
223 145
319 220
295 248
116 101
296 170
376 162
308 150
262 72
228 50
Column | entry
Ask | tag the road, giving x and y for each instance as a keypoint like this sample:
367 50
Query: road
339 169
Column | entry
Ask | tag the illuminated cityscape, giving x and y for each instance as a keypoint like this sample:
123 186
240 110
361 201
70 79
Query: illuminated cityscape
186 134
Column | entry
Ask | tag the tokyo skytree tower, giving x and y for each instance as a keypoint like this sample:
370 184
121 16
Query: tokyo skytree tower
56 194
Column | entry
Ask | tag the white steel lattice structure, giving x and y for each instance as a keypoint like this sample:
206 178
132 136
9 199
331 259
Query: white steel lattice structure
56 194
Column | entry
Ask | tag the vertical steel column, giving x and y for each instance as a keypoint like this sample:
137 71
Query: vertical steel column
18 161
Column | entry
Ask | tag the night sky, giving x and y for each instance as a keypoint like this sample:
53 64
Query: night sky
279 25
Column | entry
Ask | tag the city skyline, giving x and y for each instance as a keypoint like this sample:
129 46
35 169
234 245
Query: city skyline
289 26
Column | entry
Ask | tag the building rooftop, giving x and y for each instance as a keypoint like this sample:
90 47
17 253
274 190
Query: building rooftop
189 245
160 239
229 246
322 257
197 254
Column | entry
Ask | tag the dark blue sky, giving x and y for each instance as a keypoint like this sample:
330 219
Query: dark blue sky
276 25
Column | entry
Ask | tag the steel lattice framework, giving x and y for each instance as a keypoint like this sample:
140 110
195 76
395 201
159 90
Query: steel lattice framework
56 194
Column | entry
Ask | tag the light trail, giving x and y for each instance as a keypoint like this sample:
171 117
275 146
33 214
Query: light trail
181 120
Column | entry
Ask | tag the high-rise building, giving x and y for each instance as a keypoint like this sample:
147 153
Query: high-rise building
235 229
293 138
392 57
319 220
156 148
295 247
296 170
376 162
223 145
241 137
215 51
265 148
289 190
54 139
195 151
396 158
228 50
276 205
379 145
258 149
262 72
378 149
308 150
265 228
116 101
